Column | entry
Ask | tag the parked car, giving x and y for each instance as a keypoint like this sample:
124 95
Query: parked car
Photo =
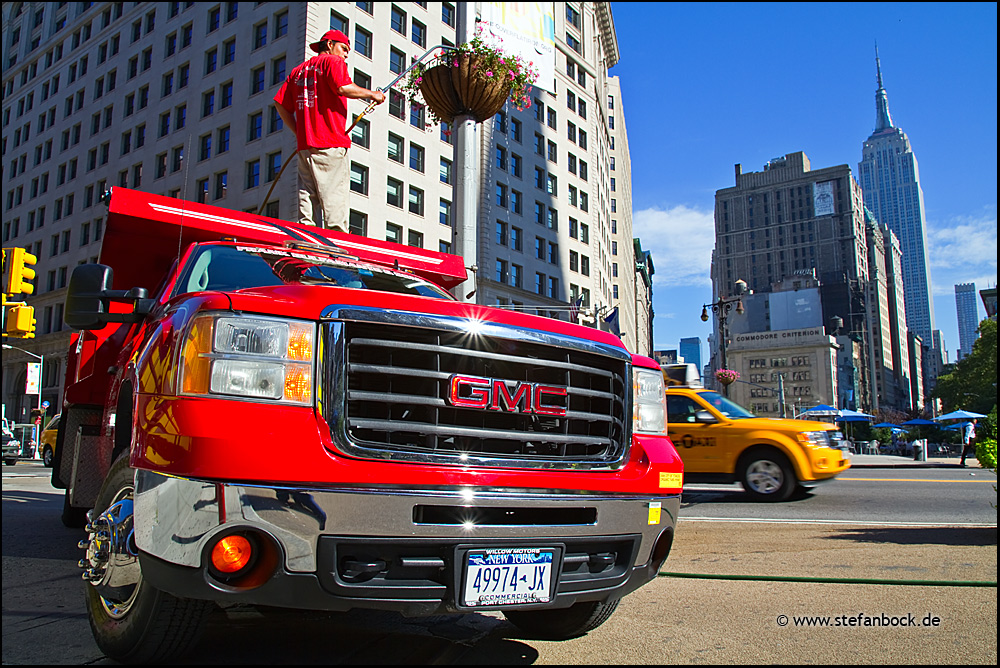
48 440
11 446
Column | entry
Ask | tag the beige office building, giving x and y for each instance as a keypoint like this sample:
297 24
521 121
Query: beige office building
174 98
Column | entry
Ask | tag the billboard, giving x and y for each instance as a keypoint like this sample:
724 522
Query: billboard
823 199
525 29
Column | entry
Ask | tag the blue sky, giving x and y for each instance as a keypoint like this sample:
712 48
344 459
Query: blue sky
709 85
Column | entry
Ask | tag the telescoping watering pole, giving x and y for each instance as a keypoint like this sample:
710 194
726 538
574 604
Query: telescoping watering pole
371 106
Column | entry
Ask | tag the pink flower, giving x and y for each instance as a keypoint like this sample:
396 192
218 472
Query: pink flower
489 73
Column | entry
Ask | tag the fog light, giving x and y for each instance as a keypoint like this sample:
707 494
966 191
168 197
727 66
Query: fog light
231 554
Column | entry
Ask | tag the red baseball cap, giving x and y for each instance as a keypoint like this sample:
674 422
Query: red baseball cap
335 35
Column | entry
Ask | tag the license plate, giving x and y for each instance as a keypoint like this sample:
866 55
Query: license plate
508 576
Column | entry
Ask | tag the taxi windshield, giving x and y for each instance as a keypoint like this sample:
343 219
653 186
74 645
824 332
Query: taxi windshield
227 268
729 409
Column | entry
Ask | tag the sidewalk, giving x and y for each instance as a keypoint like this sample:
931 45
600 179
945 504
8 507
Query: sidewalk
892 462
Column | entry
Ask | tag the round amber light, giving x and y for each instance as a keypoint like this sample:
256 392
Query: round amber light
231 554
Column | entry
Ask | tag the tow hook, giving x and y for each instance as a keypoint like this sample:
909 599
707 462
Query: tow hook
112 560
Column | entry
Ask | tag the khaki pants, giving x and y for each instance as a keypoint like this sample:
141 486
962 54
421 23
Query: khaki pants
324 185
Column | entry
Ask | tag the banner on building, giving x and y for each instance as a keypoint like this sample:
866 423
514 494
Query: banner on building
525 29
823 199
32 385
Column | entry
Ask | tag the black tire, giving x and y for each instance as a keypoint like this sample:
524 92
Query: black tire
766 475
10 461
150 626
73 518
47 456
562 623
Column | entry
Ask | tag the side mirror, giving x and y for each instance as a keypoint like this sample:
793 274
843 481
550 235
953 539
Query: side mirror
704 416
90 295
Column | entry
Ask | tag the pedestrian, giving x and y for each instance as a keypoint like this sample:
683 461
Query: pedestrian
968 439
312 102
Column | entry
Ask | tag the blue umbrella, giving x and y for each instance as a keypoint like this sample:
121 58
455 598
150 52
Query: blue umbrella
960 415
885 424
919 422
853 416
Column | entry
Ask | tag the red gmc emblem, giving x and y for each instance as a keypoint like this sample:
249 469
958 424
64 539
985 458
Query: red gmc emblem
495 394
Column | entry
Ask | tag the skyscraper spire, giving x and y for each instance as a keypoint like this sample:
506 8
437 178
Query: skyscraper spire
882 118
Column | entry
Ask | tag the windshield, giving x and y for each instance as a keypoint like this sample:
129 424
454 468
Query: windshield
728 408
228 268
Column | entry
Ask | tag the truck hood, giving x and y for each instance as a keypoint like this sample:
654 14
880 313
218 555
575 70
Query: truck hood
145 234
315 302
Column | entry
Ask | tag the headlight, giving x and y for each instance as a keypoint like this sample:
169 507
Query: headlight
649 402
816 439
255 358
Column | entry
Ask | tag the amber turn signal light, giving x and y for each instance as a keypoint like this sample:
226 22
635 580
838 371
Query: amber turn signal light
232 554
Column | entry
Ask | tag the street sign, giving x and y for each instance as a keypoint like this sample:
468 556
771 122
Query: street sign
34 373
45 404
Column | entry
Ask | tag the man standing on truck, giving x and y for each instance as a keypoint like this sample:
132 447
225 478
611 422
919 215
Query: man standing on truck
313 104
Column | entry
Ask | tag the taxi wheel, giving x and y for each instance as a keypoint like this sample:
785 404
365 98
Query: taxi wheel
562 623
47 455
767 475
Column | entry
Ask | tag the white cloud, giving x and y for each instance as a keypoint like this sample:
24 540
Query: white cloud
681 240
963 250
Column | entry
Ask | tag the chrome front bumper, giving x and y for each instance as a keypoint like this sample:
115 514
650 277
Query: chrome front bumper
176 520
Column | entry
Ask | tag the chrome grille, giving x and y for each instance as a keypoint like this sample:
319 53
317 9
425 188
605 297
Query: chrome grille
396 383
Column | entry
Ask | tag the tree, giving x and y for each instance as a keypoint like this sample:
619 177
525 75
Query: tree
972 383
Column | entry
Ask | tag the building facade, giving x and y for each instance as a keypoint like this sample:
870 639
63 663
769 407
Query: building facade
175 98
690 350
791 223
967 308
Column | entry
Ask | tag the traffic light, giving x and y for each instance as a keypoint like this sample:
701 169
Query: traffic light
17 270
20 321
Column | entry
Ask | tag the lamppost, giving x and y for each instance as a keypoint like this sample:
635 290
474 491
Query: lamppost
721 309
41 367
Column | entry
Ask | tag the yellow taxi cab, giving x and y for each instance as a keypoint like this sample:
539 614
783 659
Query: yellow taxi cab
48 441
720 441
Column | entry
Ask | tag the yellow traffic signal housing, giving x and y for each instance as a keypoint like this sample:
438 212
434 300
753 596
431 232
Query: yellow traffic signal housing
20 321
18 273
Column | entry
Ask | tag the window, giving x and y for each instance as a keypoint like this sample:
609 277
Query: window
339 22
516 238
444 212
278 70
572 17
448 14
358 223
553 287
417 115
416 201
515 164
205 147
362 42
397 20
396 104
502 272
280 24
229 51
574 43
226 95
415 239
501 192
260 35
255 125
177 159
208 103
360 134
515 130
416 157
220 184
552 119
359 178
397 61
516 201
395 148
445 172
273 166
501 158
551 153
418 34
393 233
257 80
223 136
253 174
394 192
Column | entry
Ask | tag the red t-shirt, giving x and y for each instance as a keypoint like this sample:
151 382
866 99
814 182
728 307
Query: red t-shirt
310 92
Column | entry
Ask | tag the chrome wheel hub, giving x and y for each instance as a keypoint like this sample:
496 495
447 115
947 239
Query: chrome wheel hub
765 477
112 561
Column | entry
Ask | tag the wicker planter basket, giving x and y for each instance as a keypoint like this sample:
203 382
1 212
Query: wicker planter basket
453 91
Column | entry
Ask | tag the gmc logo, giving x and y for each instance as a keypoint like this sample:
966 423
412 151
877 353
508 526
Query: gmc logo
494 394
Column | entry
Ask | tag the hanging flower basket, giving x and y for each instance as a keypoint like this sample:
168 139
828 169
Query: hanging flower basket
452 91
475 78
727 376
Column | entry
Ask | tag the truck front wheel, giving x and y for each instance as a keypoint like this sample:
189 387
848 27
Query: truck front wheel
132 621
766 474
564 623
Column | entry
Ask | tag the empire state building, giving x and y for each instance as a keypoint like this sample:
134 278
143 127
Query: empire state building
890 184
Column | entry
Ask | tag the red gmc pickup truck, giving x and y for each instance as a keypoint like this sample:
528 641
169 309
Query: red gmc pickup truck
267 413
